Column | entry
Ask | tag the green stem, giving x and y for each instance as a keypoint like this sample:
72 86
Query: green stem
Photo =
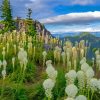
88 93
2 88
49 98
92 95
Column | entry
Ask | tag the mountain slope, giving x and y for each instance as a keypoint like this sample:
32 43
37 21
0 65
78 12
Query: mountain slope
93 40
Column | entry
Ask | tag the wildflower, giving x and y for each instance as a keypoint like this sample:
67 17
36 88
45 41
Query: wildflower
15 48
63 57
83 60
48 62
71 90
44 57
94 84
13 62
71 76
98 84
22 56
81 79
84 67
4 73
89 72
81 97
48 85
7 47
52 73
4 63
69 99
30 48
3 53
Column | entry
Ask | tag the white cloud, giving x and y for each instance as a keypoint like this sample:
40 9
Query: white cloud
95 27
82 2
41 8
89 29
73 18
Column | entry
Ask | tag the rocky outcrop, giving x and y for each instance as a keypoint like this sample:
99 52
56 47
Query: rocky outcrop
21 25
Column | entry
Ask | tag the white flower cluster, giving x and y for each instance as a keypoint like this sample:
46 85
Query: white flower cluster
81 97
84 67
71 90
30 46
22 57
93 84
51 72
69 99
4 64
81 79
50 82
89 74
57 53
48 85
70 77
3 53
63 54
44 53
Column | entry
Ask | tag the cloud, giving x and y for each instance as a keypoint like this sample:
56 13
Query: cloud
94 27
41 8
45 8
82 2
73 18
89 29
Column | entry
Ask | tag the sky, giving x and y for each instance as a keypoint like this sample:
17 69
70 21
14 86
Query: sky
62 16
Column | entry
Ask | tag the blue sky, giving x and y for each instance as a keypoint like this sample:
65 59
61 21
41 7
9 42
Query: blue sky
62 16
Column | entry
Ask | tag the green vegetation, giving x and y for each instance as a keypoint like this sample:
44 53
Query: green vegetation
6 15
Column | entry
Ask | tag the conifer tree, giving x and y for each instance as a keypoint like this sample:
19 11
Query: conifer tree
6 15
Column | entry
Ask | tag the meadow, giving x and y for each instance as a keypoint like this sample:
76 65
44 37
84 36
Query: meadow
44 68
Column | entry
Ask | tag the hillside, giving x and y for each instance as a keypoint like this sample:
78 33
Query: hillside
22 25
93 40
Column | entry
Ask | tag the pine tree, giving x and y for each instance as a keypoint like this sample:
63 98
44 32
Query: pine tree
6 15
31 28
29 13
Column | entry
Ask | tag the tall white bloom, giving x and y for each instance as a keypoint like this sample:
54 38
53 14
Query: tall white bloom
63 57
48 62
48 85
44 53
30 47
4 63
98 84
4 73
81 79
7 47
22 57
81 97
52 73
71 76
3 53
85 67
15 48
70 99
94 84
13 62
71 90
83 60
90 72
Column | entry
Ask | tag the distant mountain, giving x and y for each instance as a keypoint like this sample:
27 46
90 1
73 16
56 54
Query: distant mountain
92 39
62 35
